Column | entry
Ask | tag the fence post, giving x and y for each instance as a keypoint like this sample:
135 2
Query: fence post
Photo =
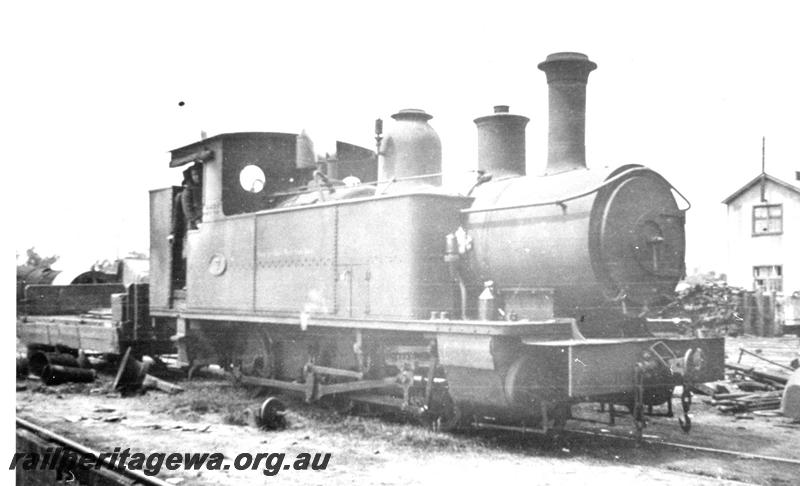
780 313
776 313
747 311
759 324
769 314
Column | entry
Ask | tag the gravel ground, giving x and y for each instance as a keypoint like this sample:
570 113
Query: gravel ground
368 449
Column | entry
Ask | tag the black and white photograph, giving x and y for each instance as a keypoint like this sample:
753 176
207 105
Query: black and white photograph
403 243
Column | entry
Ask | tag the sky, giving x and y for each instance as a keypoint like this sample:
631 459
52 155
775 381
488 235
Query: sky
91 104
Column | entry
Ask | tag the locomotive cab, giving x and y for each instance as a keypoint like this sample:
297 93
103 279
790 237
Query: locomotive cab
241 173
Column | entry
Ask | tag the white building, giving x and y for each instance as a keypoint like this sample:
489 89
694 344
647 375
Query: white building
763 235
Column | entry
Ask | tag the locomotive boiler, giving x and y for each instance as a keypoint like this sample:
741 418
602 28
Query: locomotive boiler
359 277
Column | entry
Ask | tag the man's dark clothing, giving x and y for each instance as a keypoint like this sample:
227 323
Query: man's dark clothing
192 202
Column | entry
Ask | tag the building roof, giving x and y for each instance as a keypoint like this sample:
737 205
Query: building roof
755 181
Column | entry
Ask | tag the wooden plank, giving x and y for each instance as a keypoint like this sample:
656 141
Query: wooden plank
100 338
779 349
68 299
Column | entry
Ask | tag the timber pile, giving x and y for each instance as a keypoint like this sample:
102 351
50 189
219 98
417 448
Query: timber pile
709 305
747 402
759 390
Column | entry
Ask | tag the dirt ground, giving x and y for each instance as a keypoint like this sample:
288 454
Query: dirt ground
369 449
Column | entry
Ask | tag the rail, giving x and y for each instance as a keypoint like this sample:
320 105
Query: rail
643 440
83 450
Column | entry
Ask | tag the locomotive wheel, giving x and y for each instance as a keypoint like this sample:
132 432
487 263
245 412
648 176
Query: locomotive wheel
451 417
254 354
272 414
559 414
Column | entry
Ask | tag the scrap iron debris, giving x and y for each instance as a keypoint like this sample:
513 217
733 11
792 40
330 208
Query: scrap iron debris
710 306
759 390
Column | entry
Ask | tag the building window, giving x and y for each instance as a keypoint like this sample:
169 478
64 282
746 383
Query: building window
768 219
768 278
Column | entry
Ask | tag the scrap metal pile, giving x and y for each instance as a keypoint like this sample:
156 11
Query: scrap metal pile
53 367
709 305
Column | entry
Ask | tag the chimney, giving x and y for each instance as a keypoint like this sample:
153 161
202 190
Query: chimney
567 73
501 143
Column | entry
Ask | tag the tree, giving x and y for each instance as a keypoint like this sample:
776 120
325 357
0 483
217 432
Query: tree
36 260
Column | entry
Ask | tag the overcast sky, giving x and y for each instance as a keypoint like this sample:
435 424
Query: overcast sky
92 94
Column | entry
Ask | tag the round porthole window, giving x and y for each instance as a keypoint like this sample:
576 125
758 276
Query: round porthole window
252 178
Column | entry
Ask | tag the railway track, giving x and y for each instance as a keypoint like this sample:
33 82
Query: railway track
652 442
33 438
575 439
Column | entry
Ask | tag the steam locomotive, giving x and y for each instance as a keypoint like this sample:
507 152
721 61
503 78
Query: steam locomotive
360 277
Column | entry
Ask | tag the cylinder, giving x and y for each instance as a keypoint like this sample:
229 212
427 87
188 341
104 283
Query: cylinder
40 359
501 143
567 74
411 149
57 374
